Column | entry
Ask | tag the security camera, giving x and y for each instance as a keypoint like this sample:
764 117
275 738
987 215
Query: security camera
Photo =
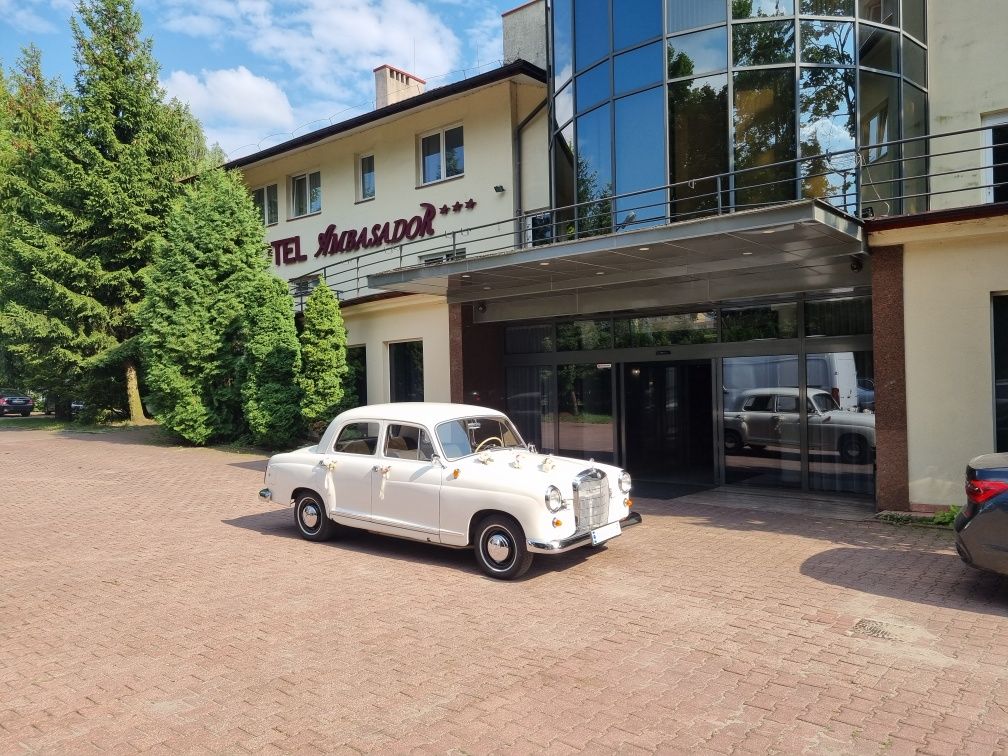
856 265
481 307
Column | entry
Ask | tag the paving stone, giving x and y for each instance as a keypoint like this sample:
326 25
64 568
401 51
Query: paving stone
149 602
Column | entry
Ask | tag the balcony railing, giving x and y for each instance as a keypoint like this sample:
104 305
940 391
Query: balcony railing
899 177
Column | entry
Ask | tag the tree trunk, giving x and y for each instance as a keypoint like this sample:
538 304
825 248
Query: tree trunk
136 413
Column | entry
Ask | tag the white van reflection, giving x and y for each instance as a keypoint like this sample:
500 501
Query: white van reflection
769 417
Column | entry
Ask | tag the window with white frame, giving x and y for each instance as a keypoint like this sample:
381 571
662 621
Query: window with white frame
265 200
365 177
442 155
306 194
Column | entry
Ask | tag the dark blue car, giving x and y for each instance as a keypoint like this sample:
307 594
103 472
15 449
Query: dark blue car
981 529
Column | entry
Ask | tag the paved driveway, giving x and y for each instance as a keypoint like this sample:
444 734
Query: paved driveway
148 601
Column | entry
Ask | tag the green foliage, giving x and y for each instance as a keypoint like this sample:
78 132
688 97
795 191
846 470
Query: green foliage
218 333
270 394
324 370
947 516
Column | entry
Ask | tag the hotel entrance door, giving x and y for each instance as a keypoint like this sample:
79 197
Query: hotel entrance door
669 431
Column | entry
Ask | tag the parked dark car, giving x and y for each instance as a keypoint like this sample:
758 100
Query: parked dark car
981 529
15 403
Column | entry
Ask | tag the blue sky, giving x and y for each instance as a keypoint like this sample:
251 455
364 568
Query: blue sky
256 72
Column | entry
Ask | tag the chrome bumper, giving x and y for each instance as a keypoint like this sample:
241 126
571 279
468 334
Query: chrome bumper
265 496
576 541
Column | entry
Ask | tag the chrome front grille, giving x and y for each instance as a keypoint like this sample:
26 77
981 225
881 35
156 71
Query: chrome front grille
591 500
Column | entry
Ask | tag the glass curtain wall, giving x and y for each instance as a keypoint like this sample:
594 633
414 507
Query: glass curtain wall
762 101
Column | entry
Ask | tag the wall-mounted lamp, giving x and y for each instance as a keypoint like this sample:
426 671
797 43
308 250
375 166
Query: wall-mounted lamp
499 188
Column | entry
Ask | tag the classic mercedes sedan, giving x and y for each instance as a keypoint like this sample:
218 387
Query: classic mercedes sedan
450 474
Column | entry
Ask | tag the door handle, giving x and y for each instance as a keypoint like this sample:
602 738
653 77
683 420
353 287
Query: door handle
380 469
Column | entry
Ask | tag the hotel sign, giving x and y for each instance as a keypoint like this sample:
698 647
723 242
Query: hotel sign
332 241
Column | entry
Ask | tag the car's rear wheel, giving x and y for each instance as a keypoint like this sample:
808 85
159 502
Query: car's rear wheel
853 450
732 442
311 518
500 548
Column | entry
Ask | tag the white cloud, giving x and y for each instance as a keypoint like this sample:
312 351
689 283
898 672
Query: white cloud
29 17
233 95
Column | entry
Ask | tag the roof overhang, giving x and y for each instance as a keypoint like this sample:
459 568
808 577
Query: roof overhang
769 243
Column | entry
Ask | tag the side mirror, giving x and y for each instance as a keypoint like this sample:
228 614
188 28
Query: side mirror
436 460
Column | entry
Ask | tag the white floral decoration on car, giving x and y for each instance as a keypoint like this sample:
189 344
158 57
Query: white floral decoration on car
547 464
485 457
516 463
329 462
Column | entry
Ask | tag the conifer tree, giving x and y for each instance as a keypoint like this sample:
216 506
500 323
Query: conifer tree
218 334
323 357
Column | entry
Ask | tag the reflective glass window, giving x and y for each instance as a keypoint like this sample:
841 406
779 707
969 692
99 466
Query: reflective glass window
762 8
563 104
827 7
454 152
761 446
777 321
827 42
763 44
764 126
563 182
1000 314
367 177
594 172
998 177
914 62
406 371
635 21
880 123
584 399
698 53
691 14
827 132
528 339
667 330
531 404
915 18
591 33
915 161
638 68
879 11
640 158
563 58
592 87
879 48
357 438
841 422
698 142
849 316
578 335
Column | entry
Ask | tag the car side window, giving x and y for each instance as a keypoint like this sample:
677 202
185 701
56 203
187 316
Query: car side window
357 438
761 403
787 404
408 442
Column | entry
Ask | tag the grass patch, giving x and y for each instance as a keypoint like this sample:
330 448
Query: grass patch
942 519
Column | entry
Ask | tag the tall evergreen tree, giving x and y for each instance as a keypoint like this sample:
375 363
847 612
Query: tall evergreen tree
323 357
50 317
127 153
218 335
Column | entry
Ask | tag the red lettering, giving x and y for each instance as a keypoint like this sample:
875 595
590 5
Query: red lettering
325 241
399 231
277 251
430 212
415 227
363 240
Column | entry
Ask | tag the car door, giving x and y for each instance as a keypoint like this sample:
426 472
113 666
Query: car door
786 421
406 493
351 470
756 413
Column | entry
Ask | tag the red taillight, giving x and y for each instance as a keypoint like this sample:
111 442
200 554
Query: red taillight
979 491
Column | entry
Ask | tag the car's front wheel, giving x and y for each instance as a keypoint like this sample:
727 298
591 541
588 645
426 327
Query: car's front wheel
312 520
853 450
500 548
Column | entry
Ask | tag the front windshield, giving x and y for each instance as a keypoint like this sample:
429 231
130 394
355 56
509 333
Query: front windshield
468 435
825 402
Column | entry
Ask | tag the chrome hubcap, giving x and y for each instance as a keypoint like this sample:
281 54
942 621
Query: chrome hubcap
498 548
310 516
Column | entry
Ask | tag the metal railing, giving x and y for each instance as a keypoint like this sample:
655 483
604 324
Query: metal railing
898 177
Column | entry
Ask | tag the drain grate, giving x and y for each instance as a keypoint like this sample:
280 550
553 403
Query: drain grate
875 629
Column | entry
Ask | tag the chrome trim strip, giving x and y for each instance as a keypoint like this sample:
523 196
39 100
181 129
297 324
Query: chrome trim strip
578 540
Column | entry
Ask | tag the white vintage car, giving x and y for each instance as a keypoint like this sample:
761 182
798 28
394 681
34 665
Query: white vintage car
451 474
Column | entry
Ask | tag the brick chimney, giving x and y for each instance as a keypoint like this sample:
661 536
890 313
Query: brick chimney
393 85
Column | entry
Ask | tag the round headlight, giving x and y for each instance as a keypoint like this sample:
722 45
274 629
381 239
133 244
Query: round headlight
554 499
624 482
